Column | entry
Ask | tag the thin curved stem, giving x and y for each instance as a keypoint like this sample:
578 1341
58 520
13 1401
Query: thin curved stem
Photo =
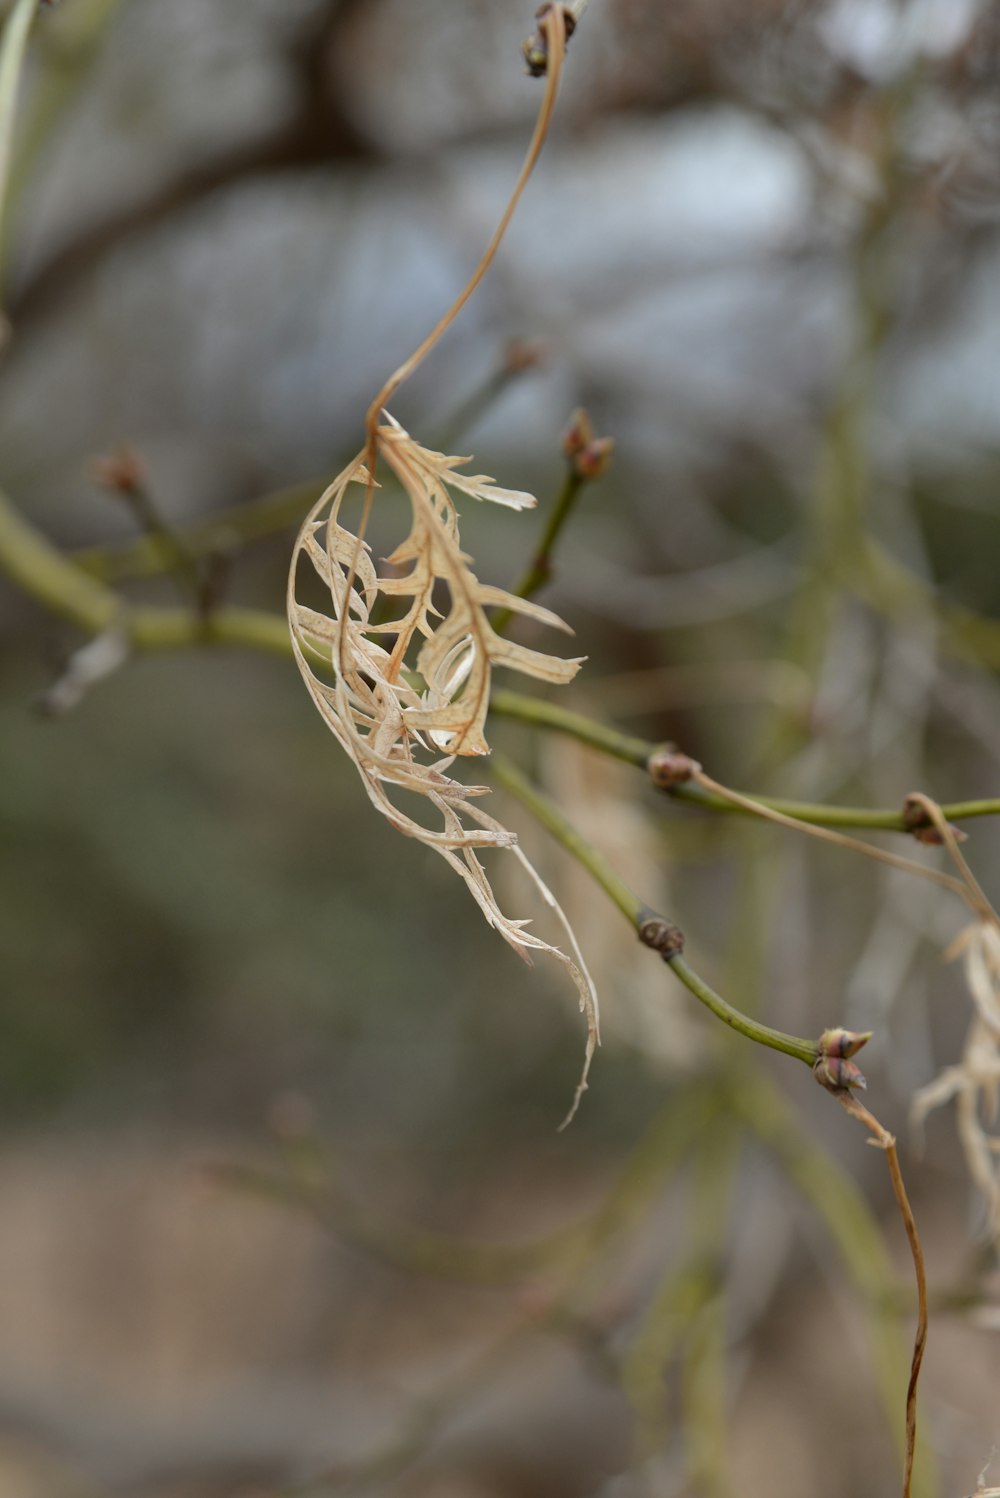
853 1229
553 820
539 569
13 45
768 813
973 893
640 916
777 1040
554 26
67 590
146 556
860 818
887 1143
539 713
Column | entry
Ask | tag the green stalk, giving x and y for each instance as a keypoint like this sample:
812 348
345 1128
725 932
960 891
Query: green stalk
539 569
552 819
13 45
635 751
72 591
639 915
540 713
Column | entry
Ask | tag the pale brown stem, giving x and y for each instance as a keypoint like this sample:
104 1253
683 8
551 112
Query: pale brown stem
887 1143
828 835
552 26
973 893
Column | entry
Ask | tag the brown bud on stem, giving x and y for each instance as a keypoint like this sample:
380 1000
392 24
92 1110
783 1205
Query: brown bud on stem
662 935
919 825
833 1068
594 460
536 48
845 1043
122 472
577 435
589 456
521 355
667 767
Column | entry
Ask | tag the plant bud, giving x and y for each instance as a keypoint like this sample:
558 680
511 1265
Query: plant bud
121 473
662 935
837 1074
667 767
921 827
578 435
594 460
536 55
843 1043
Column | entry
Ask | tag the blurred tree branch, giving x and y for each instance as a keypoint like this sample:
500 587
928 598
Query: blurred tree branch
318 132
71 592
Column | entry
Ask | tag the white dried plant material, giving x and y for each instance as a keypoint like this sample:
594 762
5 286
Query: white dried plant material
974 1084
982 1491
407 693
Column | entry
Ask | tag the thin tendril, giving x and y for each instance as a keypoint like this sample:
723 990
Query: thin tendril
972 891
827 835
553 27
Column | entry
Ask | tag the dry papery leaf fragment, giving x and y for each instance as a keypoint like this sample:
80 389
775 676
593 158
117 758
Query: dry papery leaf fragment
975 1082
400 667
401 664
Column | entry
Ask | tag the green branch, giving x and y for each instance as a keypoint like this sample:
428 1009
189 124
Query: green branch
635 751
147 556
70 592
278 509
652 929
684 1120
588 457
539 569
888 585
42 571
13 44
540 713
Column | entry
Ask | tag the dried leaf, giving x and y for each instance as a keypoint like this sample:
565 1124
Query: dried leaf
975 1082
400 693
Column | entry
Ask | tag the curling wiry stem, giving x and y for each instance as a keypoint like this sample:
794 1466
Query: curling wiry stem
770 814
554 26
887 1143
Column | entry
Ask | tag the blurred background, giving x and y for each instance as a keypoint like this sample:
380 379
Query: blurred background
284 1205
